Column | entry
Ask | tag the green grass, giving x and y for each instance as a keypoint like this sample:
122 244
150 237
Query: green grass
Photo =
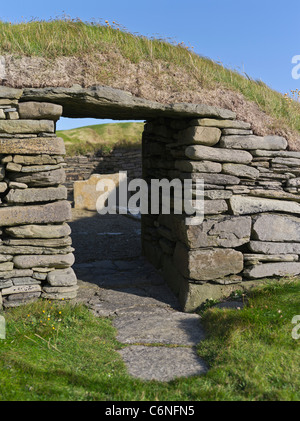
65 37
251 354
102 137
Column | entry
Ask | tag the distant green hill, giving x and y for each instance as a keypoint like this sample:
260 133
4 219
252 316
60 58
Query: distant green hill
102 137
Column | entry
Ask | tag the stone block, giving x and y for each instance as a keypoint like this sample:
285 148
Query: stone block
272 143
86 194
39 231
36 214
26 126
199 152
33 146
39 110
30 195
218 231
274 227
240 170
242 205
40 179
207 264
265 270
60 262
198 166
208 136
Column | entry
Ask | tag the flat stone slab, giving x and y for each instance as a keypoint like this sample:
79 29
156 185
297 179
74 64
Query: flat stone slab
174 328
162 363
33 146
114 103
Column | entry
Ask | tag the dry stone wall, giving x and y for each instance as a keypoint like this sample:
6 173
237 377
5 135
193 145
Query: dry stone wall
251 228
81 167
36 254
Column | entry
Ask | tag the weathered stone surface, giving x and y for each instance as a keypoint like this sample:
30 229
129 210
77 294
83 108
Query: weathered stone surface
59 289
273 143
257 258
294 182
240 170
222 124
39 168
274 154
35 145
231 132
198 166
217 194
199 152
26 126
116 104
242 205
10 93
5 258
222 179
36 214
3 187
25 280
49 194
39 110
140 328
213 207
37 159
39 231
232 232
12 166
5 266
5 283
40 179
21 288
66 293
192 295
272 227
2 172
215 232
207 264
162 364
275 194
60 262
200 135
268 247
272 269
15 273
16 250
55 242
228 280
22 297
15 185
63 277
86 194
290 162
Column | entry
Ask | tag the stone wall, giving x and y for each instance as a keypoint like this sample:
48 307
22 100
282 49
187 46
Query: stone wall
120 159
251 229
35 244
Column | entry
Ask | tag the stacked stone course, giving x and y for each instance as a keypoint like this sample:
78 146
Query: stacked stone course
35 244
252 192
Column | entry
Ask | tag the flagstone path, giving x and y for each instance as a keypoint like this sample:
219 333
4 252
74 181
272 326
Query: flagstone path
116 281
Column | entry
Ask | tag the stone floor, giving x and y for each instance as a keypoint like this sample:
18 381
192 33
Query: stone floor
116 281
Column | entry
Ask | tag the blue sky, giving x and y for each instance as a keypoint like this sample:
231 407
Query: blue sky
257 37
